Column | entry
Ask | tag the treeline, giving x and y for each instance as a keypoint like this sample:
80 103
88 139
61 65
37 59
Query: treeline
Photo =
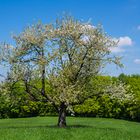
15 102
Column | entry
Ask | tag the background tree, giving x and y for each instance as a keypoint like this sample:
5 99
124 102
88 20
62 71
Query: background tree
105 103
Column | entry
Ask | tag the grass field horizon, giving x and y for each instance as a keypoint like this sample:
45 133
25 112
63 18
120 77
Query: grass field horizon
41 128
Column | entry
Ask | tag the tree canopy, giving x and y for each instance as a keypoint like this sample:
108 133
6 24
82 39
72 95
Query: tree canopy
62 57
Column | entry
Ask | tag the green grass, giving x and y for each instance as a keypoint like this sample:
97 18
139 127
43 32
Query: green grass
44 128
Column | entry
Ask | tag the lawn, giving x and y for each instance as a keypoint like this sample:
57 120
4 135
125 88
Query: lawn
44 128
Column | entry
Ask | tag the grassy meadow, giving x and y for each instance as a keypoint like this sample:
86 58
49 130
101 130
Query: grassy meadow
44 128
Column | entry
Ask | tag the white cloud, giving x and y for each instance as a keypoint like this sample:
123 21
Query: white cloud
125 41
138 27
116 49
87 27
122 42
85 38
137 61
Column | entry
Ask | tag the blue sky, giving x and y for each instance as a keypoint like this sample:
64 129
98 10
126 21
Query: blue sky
120 19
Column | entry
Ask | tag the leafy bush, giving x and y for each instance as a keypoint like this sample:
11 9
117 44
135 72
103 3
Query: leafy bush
16 103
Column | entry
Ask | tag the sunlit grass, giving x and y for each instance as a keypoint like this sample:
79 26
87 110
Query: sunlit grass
44 128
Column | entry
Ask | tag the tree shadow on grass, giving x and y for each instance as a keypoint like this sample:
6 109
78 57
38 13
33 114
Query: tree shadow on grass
45 126
56 127
79 126
17 127
93 127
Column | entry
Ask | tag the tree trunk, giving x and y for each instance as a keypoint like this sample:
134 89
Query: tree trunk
43 80
43 75
62 115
